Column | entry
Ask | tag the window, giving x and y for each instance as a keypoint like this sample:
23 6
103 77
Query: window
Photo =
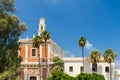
71 69
94 67
35 65
106 69
33 52
41 27
81 68
31 65
27 65
23 65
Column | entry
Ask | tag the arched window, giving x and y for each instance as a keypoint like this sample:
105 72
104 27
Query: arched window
41 27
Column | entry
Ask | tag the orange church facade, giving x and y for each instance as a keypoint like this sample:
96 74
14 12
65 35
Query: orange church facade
30 58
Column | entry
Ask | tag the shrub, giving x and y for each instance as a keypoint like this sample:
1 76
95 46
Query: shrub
60 75
86 76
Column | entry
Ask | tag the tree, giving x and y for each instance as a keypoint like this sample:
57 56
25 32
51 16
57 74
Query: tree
10 30
37 40
86 76
7 6
58 64
95 57
109 57
45 35
82 41
60 75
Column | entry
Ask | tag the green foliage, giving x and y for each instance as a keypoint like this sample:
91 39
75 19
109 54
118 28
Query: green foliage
11 74
7 6
82 76
10 30
109 55
95 56
60 75
86 76
82 41
58 64
37 40
45 35
95 76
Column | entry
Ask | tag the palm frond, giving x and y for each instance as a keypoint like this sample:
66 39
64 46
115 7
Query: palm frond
109 55
82 41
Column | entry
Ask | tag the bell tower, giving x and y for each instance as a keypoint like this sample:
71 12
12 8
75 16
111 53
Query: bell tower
42 26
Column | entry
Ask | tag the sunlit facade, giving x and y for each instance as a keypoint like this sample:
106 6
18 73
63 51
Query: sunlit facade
30 59
74 66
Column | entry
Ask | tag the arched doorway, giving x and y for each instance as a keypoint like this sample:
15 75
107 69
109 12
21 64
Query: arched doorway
33 78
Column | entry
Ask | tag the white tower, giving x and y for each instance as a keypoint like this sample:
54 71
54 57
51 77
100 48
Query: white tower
42 26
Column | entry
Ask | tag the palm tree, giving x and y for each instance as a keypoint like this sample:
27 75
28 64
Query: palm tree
58 64
37 40
46 36
82 41
109 57
94 58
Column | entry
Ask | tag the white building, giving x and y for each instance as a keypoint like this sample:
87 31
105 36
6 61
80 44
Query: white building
74 66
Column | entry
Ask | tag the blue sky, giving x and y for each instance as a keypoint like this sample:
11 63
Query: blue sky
68 20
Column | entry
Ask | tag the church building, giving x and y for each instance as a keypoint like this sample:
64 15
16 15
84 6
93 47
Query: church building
30 58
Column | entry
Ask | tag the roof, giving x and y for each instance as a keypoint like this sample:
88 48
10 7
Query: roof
28 40
79 59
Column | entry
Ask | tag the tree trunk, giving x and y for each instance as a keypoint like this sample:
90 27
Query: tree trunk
83 58
39 63
110 72
46 61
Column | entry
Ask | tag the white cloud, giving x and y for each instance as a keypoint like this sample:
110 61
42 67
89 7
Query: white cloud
69 54
117 64
88 45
